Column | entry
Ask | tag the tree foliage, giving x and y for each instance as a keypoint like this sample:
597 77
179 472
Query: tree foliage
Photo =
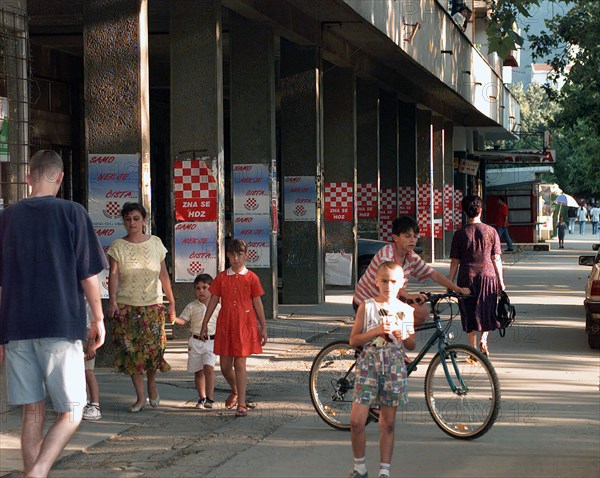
503 29
573 43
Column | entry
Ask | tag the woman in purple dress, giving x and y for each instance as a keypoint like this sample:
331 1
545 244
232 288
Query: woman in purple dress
476 256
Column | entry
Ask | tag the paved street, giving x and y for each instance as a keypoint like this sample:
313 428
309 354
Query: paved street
549 424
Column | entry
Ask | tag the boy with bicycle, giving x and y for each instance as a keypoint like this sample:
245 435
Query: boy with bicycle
382 327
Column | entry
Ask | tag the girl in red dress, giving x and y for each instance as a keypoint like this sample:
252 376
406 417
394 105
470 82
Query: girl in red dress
237 334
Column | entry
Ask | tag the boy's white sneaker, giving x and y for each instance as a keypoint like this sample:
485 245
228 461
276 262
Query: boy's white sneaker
208 403
92 412
201 403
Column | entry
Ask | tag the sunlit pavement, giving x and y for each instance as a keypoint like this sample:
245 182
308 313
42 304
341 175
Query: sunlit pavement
550 417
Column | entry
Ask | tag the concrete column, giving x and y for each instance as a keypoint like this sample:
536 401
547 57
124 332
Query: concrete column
407 159
253 96
115 55
438 185
116 91
448 186
388 158
424 183
339 146
197 98
367 158
301 155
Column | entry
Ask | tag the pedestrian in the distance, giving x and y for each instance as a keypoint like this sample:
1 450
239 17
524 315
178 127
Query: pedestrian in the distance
561 228
49 260
382 327
582 217
138 277
502 224
476 262
237 335
572 215
595 218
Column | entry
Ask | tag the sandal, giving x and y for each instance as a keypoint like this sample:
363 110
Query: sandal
484 349
231 401
241 411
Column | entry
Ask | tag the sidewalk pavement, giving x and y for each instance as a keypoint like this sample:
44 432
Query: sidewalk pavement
296 325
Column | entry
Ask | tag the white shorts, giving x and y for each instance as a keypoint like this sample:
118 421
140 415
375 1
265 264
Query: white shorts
200 353
51 365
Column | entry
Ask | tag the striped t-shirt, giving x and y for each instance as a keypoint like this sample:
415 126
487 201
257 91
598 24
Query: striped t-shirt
413 266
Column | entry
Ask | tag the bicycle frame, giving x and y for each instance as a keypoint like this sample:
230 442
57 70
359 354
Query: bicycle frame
440 336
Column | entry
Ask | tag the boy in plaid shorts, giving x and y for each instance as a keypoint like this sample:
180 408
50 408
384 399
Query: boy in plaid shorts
382 327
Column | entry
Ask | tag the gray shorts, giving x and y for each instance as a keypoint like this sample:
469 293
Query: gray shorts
51 365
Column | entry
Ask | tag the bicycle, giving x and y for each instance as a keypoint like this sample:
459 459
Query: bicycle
462 390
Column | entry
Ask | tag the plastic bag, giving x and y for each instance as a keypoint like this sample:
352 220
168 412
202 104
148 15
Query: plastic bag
338 268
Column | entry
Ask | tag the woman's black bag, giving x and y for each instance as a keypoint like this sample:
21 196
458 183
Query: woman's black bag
506 313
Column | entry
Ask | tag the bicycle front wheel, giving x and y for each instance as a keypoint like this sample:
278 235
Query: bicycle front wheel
471 409
332 383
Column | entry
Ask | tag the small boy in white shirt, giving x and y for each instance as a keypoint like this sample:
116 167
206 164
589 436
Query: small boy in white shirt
201 358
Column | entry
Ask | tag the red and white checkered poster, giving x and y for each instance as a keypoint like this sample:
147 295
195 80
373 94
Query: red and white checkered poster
387 213
406 200
195 186
339 201
366 200
438 231
424 209
448 207
458 196
437 202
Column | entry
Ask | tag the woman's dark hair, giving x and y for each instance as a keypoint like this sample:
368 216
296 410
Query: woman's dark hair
472 205
404 224
237 245
133 206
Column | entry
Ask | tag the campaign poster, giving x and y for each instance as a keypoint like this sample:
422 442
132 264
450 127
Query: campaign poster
366 200
195 190
113 180
255 231
107 234
251 189
339 201
195 250
387 213
299 198
252 211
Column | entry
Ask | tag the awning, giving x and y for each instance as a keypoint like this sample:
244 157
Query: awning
520 156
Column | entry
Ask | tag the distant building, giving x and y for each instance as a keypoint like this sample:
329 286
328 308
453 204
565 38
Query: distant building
536 23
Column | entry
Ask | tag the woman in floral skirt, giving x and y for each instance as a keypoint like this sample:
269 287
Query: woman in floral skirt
138 277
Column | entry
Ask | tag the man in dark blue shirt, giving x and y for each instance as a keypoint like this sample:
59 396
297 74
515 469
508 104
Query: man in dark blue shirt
49 260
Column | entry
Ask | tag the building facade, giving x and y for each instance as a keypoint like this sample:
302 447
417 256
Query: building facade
297 125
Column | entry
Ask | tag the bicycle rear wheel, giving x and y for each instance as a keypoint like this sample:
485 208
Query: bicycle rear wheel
472 409
332 382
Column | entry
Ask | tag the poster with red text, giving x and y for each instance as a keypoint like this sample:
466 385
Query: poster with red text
195 245
448 207
406 200
339 201
387 213
299 198
366 200
424 209
252 211
195 189
113 180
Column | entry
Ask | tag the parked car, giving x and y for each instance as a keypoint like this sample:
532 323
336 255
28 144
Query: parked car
592 298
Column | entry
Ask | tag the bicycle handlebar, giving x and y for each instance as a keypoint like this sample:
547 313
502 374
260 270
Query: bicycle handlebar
435 298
